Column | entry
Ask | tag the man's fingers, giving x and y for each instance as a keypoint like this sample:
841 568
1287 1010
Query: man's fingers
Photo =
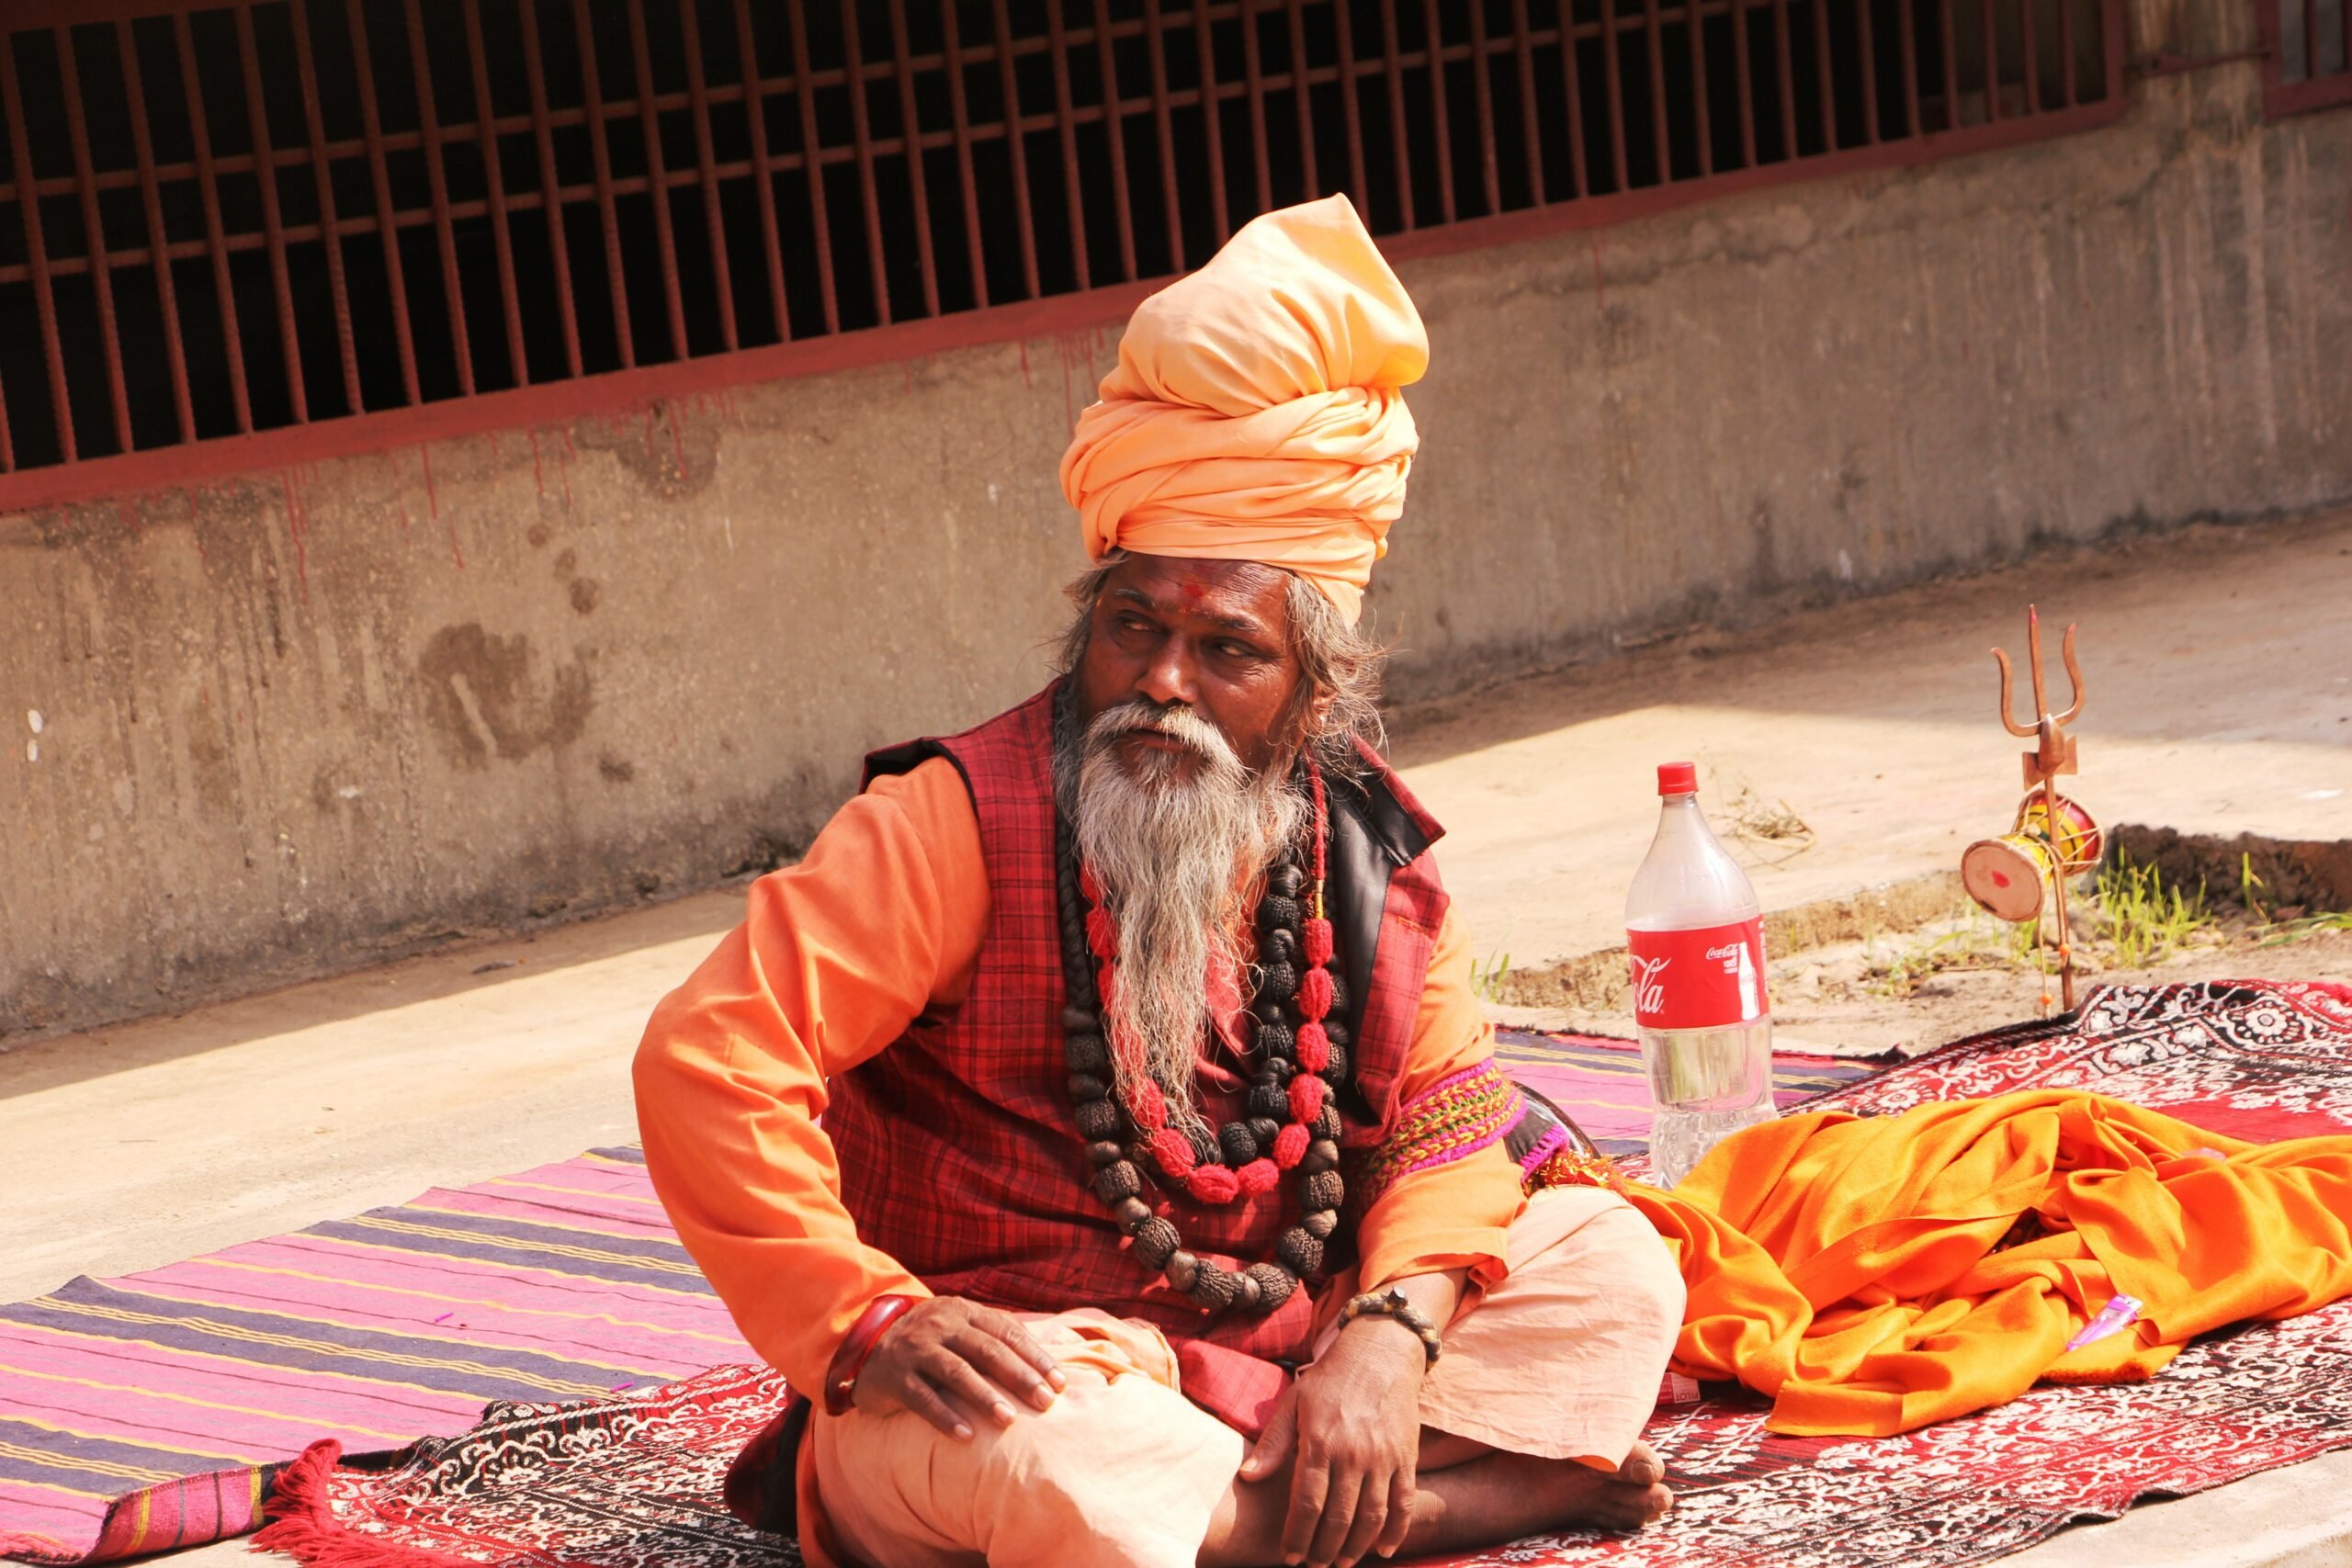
1003 1363
1309 1487
1272 1448
1372 1520
1015 1332
1401 1492
1351 1493
919 1396
953 1375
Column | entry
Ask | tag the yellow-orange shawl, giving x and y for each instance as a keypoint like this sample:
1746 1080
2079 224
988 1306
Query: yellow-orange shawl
1856 1269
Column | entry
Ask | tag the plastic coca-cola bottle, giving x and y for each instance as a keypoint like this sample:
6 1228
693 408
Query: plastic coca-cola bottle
1696 936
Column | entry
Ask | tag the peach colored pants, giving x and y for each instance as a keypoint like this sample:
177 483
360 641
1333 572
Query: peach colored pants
1561 1359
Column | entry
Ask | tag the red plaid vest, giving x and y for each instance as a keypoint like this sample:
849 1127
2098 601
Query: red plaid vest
959 1146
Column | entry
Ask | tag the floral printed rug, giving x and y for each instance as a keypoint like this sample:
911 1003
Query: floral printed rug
633 1482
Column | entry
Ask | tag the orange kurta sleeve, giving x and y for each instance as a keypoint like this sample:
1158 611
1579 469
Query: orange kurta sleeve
1454 1216
835 957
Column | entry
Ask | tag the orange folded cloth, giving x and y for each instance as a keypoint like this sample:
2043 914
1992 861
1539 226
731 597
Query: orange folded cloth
1875 1275
1255 413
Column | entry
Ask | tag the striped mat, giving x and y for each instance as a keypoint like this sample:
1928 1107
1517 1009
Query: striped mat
1599 1080
155 1411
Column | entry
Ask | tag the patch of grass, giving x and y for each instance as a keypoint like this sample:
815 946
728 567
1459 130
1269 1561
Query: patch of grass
2278 933
1773 823
2265 929
1913 962
2128 916
2145 919
1487 978
1983 943
2021 941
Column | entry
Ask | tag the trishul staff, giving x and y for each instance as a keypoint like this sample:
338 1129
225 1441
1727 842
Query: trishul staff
2054 754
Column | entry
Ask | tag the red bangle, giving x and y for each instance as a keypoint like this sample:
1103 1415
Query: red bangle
841 1378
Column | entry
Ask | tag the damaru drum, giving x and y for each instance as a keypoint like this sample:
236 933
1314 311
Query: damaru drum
2078 841
2006 875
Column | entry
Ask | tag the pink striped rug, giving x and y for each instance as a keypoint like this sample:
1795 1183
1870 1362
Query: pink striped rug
1599 1081
154 1411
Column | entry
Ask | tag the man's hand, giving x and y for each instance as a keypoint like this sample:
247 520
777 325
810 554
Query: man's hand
948 1355
1354 1420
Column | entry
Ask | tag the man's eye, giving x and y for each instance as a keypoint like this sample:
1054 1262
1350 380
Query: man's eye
1232 649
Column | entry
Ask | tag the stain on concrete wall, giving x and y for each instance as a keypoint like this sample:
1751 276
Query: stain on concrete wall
483 698
297 721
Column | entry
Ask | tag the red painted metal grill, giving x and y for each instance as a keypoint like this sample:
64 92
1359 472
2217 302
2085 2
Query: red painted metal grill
2307 51
239 234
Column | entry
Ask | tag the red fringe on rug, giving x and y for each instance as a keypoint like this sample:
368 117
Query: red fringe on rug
303 1526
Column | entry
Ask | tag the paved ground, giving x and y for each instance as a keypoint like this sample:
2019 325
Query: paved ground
2219 666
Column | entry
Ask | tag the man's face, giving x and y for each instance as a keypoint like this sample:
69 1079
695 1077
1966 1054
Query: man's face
1210 635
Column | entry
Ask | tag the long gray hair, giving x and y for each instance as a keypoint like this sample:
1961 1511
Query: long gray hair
1338 702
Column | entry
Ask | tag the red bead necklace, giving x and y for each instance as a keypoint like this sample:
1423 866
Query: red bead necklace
1298 1064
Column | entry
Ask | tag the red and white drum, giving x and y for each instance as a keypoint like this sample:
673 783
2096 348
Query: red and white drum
2005 876
2077 842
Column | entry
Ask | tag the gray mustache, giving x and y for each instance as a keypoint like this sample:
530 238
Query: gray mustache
1179 724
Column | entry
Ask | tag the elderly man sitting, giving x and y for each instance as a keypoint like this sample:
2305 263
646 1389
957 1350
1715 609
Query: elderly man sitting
1168 1206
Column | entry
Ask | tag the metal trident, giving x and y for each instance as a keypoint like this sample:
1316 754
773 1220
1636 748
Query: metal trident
2054 749
2054 754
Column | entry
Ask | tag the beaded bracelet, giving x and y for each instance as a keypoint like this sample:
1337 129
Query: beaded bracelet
1392 1305
841 1378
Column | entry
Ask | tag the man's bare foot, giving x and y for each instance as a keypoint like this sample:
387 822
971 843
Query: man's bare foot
1484 1502
1642 1466
1519 1496
1642 1497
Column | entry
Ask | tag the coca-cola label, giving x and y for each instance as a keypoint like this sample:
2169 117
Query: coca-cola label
1706 979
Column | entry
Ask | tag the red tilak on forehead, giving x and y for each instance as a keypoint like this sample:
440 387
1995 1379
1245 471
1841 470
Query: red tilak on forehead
1194 592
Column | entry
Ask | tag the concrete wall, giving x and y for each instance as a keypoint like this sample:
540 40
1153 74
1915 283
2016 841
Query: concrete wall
298 720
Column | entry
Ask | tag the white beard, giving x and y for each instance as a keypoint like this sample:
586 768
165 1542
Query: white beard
1175 857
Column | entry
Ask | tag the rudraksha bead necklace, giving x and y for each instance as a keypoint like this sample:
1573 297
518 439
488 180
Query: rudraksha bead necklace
1290 1121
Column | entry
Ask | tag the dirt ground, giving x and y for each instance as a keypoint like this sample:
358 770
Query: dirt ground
1912 991
1859 744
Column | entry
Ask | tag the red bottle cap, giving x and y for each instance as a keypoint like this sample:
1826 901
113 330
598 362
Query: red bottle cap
1678 778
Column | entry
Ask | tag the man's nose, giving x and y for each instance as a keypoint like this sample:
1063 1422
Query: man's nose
1169 679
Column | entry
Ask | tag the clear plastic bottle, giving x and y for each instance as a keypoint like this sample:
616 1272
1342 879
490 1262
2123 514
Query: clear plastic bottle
1696 936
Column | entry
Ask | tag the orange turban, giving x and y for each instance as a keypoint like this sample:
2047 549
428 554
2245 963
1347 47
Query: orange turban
1255 413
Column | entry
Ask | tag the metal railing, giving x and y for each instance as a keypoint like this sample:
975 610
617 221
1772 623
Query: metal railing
240 234
2307 55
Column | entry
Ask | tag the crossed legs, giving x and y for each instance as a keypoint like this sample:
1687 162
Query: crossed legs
1531 1418
1532 1421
